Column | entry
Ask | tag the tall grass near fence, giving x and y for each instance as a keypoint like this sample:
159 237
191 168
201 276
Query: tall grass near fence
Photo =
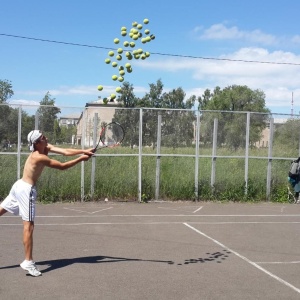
116 177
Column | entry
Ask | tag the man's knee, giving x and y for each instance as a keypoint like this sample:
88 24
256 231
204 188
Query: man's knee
2 211
28 226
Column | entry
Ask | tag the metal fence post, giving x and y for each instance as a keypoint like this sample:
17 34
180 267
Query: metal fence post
82 147
197 135
140 156
270 152
19 143
214 153
36 120
247 151
94 158
157 177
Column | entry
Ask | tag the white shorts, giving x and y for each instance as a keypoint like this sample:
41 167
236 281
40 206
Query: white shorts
21 200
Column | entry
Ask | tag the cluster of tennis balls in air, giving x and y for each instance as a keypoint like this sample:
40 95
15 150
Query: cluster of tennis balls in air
130 51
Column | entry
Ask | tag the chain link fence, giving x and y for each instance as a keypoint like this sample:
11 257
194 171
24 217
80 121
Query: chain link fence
166 154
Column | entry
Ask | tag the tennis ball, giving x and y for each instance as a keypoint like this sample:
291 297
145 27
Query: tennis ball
144 40
121 68
121 78
147 31
114 64
143 56
107 61
139 51
120 50
127 65
134 24
123 33
129 70
128 55
123 28
126 44
147 54
112 96
152 36
132 44
131 34
118 89
114 77
111 53
100 87
116 41
119 57
135 37
146 21
139 26
122 72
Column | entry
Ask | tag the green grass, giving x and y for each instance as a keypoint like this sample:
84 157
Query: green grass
117 177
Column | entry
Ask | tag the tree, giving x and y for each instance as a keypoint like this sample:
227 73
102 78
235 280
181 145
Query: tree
177 125
288 134
6 91
47 116
154 97
128 118
232 126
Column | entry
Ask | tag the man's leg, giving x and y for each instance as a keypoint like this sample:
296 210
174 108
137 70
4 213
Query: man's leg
28 227
28 264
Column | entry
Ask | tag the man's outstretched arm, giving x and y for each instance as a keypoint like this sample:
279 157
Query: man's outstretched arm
69 151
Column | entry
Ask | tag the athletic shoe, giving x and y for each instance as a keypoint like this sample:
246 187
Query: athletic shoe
31 268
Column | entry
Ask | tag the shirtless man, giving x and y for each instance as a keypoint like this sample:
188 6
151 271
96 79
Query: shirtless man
22 196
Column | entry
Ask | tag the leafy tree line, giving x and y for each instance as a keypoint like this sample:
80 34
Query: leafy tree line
48 122
177 125
9 118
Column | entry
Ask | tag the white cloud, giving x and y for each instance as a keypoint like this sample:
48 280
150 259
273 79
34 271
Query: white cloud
278 81
221 32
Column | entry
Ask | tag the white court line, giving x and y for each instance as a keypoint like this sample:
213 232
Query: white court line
197 209
180 215
142 223
245 259
84 211
277 262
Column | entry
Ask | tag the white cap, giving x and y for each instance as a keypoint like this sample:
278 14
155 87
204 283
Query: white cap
32 137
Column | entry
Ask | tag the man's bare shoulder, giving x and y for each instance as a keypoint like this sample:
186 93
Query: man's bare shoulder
38 157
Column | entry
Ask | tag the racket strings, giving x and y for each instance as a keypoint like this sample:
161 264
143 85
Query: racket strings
112 135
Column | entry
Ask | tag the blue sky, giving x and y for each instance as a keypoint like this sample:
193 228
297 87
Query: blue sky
229 32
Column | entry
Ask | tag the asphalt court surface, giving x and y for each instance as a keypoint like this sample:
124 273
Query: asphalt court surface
158 250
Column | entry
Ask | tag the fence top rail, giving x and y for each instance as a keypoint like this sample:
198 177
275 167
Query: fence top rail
102 106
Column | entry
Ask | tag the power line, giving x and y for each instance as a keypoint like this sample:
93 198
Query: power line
156 53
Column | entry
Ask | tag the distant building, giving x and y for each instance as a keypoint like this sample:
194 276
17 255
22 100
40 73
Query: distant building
264 141
69 121
105 113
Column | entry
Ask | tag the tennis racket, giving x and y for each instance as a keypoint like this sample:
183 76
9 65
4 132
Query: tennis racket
111 135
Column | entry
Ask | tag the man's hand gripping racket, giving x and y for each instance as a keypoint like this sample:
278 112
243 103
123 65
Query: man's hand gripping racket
111 135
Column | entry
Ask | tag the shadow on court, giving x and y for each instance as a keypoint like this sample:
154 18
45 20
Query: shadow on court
65 262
